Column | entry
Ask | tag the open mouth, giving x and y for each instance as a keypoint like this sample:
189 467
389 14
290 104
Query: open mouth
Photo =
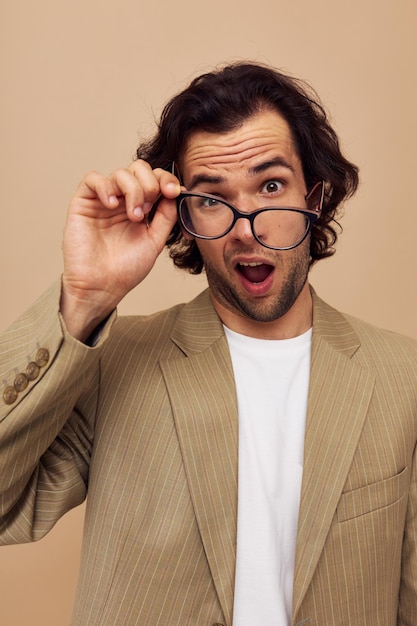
255 272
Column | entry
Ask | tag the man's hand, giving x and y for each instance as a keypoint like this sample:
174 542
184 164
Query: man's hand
108 246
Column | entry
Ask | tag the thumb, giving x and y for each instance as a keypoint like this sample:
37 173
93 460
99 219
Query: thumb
161 220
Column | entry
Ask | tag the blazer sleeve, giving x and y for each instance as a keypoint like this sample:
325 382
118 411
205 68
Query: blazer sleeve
47 407
407 612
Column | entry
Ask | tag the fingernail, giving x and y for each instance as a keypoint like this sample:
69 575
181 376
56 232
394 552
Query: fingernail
113 200
138 212
173 187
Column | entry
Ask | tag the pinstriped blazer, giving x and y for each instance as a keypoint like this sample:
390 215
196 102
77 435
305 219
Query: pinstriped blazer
146 423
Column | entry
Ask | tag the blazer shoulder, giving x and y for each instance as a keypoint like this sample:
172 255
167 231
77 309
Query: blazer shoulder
382 339
368 344
190 326
142 333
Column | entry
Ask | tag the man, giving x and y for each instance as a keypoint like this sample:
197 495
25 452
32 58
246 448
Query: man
249 456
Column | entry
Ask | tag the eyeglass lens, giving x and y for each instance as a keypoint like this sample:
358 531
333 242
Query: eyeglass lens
210 218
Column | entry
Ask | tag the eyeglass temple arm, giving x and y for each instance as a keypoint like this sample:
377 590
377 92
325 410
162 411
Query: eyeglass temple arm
176 172
315 198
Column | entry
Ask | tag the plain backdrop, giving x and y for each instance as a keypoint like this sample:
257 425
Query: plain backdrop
82 81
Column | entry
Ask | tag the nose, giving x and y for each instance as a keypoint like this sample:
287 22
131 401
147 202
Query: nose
242 230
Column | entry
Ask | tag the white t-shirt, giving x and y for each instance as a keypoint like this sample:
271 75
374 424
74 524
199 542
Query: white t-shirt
272 378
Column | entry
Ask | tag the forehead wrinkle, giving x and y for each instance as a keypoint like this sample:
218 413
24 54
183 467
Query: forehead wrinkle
209 157
224 146
263 141
254 170
217 154
217 178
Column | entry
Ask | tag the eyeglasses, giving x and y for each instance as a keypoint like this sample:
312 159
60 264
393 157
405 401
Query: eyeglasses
206 216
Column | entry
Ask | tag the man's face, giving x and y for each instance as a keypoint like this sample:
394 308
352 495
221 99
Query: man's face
255 290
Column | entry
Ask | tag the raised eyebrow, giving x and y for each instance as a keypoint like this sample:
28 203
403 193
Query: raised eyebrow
266 165
206 179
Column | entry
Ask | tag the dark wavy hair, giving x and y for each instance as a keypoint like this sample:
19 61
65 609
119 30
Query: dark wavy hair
221 101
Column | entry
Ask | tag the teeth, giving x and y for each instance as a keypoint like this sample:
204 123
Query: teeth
255 264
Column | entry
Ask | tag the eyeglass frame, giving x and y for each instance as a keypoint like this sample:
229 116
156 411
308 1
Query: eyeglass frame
312 215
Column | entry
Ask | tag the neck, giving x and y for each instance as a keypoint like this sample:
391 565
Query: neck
293 323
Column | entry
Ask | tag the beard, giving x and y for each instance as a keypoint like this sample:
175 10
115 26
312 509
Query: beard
269 308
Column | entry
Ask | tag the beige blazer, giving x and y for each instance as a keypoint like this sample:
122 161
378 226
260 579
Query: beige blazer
146 422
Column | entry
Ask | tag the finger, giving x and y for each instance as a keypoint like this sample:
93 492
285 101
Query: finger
155 183
169 184
136 191
139 187
149 184
162 222
94 185
170 188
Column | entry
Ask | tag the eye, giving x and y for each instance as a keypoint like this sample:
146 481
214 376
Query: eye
208 202
203 203
272 187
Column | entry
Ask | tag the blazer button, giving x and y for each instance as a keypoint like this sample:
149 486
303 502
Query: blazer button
9 395
20 382
42 357
32 371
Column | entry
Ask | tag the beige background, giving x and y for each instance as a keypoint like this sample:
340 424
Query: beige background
81 81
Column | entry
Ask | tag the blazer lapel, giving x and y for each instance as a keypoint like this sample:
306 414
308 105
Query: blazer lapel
339 396
202 394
